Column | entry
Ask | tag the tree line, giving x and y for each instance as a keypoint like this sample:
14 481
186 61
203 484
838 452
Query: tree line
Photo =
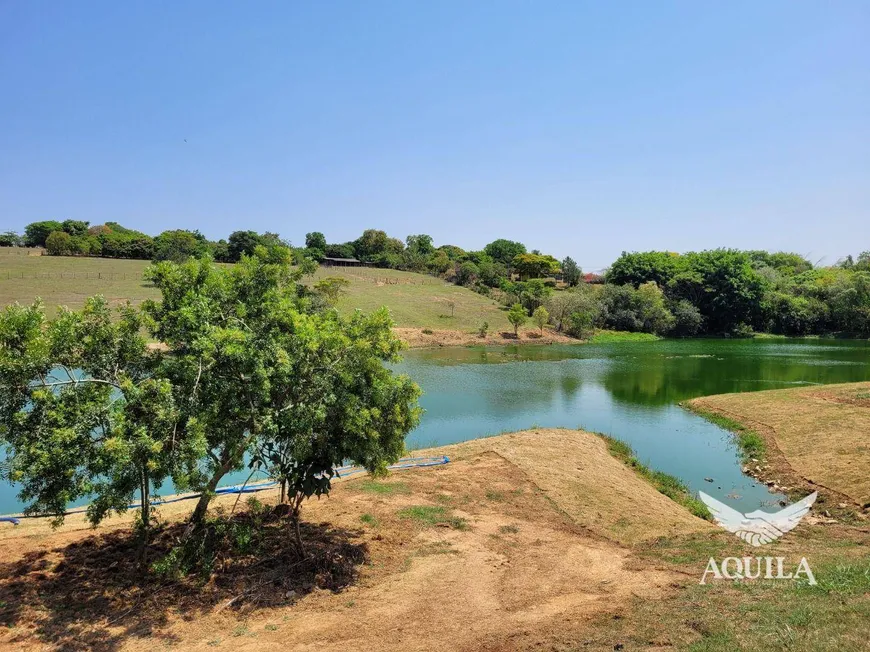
715 292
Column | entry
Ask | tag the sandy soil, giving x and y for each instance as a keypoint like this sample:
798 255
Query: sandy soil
529 548
416 338
821 433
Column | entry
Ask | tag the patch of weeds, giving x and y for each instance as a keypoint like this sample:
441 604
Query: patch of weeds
509 529
852 578
427 331
430 515
436 548
862 395
494 495
214 642
670 486
607 337
241 630
350 603
750 443
443 498
384 488
369 519
271 628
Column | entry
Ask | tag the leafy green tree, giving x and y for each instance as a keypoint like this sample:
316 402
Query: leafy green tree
581 324
36 233
179 245
58 243
530 266
638 268
75 227
242 243
571 272
315 240
263 374
331 288
652 311
541 317
504 251
517 316
370 244
420 244
687 319
10 239
724 287
84 412
345 250
467 273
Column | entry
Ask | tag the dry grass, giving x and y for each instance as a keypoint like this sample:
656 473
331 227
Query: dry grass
822 432
415 300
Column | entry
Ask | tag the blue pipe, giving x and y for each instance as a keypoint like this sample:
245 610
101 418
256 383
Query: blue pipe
341 472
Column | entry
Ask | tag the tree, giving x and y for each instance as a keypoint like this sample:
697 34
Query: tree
571 272
687 319
370 244
179 245
10 239
530 266
75 227
637 268
517 316
467 273
331 288
58 243
420 244
541 317
36 233
652 311
315 240
85 412
264 374
242 243
504 251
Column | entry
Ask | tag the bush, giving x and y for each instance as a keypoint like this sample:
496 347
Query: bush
484 328
517 316
580 325
687 319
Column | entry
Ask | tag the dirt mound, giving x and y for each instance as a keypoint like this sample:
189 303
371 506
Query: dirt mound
575 471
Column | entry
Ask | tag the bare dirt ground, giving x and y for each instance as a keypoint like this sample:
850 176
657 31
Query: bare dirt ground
416 337
501 549
822 432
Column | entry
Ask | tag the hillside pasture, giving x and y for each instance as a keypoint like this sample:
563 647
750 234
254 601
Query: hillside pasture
415 300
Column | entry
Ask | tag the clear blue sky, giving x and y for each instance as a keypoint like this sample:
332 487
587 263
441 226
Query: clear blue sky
579 128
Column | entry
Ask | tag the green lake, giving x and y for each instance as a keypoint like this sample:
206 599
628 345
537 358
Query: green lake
628 390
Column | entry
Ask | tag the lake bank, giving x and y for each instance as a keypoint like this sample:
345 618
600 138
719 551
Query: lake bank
529 539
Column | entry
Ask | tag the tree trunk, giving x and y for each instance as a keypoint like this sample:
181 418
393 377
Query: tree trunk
145 515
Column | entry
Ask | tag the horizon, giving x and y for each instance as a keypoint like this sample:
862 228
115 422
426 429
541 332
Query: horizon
579 130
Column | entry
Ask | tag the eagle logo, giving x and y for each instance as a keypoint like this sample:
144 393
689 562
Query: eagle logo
758 528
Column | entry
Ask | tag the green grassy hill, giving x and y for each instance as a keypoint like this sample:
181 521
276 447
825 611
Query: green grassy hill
415 300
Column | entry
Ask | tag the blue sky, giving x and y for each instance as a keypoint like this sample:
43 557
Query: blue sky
580 128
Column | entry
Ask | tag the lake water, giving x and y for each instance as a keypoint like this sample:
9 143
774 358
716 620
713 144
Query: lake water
626 390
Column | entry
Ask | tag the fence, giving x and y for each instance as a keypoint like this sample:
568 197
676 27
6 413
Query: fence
103 276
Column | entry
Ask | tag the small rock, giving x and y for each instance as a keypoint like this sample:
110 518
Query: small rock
290 594
842 505
708 479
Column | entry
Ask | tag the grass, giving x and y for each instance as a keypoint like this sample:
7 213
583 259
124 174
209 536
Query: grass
384 488
750 443
613 337
369 519
431 515
670 486
414 300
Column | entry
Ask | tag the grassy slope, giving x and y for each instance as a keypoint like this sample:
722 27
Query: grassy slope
415 300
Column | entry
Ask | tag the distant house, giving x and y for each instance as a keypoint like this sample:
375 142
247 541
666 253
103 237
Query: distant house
341 262
593 278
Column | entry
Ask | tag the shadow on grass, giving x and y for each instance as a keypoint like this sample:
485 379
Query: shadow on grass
509 336
90 594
